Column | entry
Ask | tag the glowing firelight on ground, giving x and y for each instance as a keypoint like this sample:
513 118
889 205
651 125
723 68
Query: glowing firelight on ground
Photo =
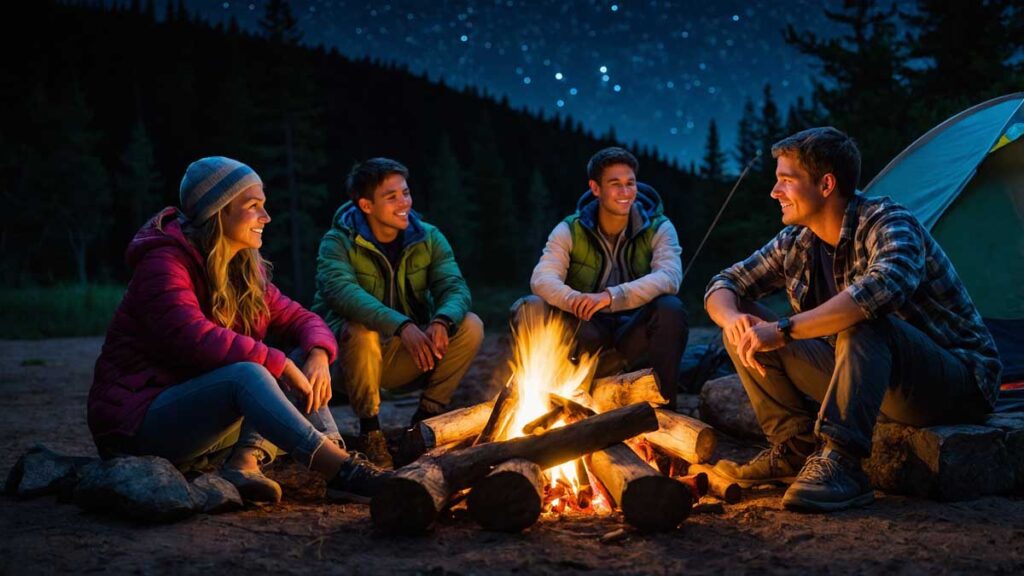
541 350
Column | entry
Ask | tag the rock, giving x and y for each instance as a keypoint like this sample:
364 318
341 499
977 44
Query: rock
41 471
220 495
146 488
725 405
957 462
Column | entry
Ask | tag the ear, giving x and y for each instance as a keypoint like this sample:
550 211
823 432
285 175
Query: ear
595 189
827 185
365 205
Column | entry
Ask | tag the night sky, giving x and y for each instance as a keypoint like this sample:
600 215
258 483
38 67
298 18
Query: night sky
657 71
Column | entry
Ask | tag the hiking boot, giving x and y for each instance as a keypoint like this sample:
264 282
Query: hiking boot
778 464
357 480
252 486
829 480
375 446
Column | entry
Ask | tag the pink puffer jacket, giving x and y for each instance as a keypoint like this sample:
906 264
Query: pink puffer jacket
162 333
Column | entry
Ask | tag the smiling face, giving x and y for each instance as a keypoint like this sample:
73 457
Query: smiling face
244 218
616 191
802 200
388 212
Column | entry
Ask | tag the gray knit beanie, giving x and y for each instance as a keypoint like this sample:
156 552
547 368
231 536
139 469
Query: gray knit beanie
210 184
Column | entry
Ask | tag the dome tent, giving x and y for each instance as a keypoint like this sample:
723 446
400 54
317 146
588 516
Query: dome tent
964 180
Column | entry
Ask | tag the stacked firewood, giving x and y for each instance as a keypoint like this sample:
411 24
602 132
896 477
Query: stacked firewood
458 451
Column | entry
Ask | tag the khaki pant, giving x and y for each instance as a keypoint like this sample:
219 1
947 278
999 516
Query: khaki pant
368 361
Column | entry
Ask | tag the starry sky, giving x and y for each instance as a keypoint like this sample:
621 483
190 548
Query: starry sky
656 70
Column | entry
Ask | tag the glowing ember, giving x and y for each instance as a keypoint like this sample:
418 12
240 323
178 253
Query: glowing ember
541 364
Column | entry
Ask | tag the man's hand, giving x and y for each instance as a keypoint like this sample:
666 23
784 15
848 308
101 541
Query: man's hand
738 325
438 334
296 380
586 305
420 346
317 371
760 338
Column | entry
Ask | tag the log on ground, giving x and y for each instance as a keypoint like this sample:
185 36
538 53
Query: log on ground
648 499
409 501
509 499
684 437
718 486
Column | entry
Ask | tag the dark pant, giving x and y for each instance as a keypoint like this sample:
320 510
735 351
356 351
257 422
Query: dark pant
654 334
883 365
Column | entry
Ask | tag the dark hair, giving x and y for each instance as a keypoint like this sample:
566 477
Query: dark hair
364 177
824 150
608 157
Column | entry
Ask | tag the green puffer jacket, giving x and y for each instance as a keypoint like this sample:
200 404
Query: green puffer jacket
356 282
588 267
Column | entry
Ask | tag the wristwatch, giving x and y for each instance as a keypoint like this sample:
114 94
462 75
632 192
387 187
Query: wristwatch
784 326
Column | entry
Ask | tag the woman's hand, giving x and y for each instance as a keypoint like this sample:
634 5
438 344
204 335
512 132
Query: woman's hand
296 380
317 370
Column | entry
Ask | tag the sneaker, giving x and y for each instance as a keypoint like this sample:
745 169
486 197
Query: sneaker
778 465
375 446
830 480
357 480
252 486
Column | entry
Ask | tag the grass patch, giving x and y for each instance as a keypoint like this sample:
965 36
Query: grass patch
57 311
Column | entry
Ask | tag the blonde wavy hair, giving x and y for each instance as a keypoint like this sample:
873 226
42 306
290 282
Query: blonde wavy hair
237 286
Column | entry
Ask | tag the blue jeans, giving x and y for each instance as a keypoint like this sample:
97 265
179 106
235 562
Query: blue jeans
882 366
240 405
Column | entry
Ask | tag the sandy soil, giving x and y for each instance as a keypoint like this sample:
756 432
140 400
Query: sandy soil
43 387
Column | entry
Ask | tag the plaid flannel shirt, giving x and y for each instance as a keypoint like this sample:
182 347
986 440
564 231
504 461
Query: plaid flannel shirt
889 264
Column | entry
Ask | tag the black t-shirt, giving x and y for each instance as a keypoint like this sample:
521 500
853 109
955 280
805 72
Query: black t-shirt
823 282
393 250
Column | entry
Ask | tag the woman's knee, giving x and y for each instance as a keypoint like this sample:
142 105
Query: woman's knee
249 375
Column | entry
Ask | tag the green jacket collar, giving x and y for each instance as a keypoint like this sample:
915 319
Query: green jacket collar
351 220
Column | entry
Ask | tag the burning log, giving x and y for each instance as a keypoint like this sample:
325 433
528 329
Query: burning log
649 500
501 414
683 437
625 389
719 487
449 428
509 499
409 501
698 484
544 421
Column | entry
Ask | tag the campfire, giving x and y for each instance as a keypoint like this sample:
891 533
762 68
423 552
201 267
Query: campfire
554 441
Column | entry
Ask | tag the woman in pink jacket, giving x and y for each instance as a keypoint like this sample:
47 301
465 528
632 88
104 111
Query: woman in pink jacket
184 373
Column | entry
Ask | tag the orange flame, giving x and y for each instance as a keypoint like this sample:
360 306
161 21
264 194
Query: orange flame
541 350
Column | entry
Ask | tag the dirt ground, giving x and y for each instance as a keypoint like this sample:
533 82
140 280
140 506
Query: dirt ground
43 388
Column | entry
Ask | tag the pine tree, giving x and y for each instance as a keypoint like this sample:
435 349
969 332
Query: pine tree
453 208
138 183
713 168
970 48
864 72
540 216
769 129
747 141
291 149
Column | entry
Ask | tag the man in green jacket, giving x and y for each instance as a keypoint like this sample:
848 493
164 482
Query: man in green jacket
390 289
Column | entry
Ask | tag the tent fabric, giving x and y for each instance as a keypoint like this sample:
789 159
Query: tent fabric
964 180
931 172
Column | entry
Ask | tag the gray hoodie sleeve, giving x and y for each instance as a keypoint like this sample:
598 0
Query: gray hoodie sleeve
665 277
548 279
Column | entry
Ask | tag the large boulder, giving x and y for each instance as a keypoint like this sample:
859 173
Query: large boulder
220 495
956 462
725 405
42 471
142 488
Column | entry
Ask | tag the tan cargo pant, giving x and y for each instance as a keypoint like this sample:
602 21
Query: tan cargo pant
368 361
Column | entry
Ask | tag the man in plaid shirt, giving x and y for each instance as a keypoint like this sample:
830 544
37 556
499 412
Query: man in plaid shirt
881 323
